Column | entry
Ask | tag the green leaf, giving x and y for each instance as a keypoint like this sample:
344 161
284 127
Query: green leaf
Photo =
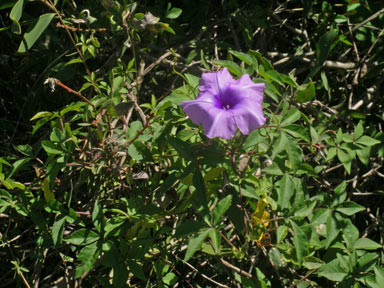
271 75
323 47
280 145
350 233
195 244
379 275
297 131
192 81
331 153
367 262
292 116
232 66
214 173
366 244
51 148
299 240
42 114
324 79
134 152
367 141
340 194
136 269
246 58
15 15
349 208
26 149
134 128
346 158
82 237
305 92
221 208
285 192
215 240
312 263
17 165
58 229
167 184
200 193
332 271
253 139
174 13
188 227
34 31
281 233
181 147
364 154
98 219
7 4
359 130
170 279
88 257
294 153
263 62
332 231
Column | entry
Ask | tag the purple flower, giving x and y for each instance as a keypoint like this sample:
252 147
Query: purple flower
225 104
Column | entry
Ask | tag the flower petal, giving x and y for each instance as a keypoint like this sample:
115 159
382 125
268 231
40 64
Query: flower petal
248 113
225 104
212 84
216 122
248 116
244 87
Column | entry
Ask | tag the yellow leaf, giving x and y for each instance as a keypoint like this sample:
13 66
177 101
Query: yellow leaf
48 194
260 217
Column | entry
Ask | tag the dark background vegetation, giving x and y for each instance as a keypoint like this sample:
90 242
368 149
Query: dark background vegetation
347 74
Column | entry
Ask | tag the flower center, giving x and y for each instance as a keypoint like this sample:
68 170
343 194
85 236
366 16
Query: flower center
227 107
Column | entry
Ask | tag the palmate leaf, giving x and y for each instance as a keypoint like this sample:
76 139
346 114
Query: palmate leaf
201 191
246 58
346 156
332 271
88 257
299 240
323 47
215 240
82 237
366 244
288 145
305 92
349 208
58 229
285 192
183 148
232 67
332 230
195 244
292 116
367 141
221 208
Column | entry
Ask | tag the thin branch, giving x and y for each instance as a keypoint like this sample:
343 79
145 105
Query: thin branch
202 274
370 18
303 278
53 81
289 27
237 269
52 6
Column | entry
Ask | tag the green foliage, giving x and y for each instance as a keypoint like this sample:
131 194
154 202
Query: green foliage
105 182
